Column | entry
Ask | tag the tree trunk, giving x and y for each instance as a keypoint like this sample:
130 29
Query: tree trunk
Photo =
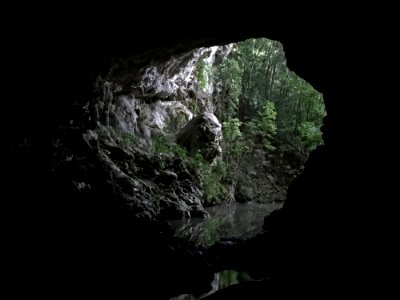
298 113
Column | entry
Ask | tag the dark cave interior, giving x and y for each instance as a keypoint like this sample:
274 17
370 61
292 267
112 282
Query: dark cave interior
66 243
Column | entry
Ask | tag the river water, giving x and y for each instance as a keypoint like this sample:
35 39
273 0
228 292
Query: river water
235 220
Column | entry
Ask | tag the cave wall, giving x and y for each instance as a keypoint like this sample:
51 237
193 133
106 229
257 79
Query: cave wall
146 99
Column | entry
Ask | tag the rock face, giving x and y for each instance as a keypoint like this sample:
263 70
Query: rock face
116 131
135 116
159 97
203 134
151 185
264 182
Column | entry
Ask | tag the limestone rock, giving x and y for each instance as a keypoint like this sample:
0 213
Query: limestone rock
244 193
203 133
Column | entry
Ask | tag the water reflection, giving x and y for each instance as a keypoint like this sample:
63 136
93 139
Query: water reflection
236 220
222 280
229 277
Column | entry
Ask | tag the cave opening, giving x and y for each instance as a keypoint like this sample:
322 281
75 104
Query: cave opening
227 128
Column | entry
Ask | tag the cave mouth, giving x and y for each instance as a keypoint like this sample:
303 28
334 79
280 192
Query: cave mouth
216 132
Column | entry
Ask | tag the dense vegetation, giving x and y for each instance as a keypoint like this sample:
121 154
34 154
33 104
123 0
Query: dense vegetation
263 104
273 103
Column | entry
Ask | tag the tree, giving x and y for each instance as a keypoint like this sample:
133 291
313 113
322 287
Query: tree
234 147
266 124
230 76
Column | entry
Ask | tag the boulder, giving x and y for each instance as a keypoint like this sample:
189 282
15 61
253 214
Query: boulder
203 133
244 193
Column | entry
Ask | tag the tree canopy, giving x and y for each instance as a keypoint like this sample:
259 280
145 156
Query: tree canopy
270 100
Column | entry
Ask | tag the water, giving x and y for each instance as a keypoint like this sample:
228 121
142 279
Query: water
236 220
221 280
